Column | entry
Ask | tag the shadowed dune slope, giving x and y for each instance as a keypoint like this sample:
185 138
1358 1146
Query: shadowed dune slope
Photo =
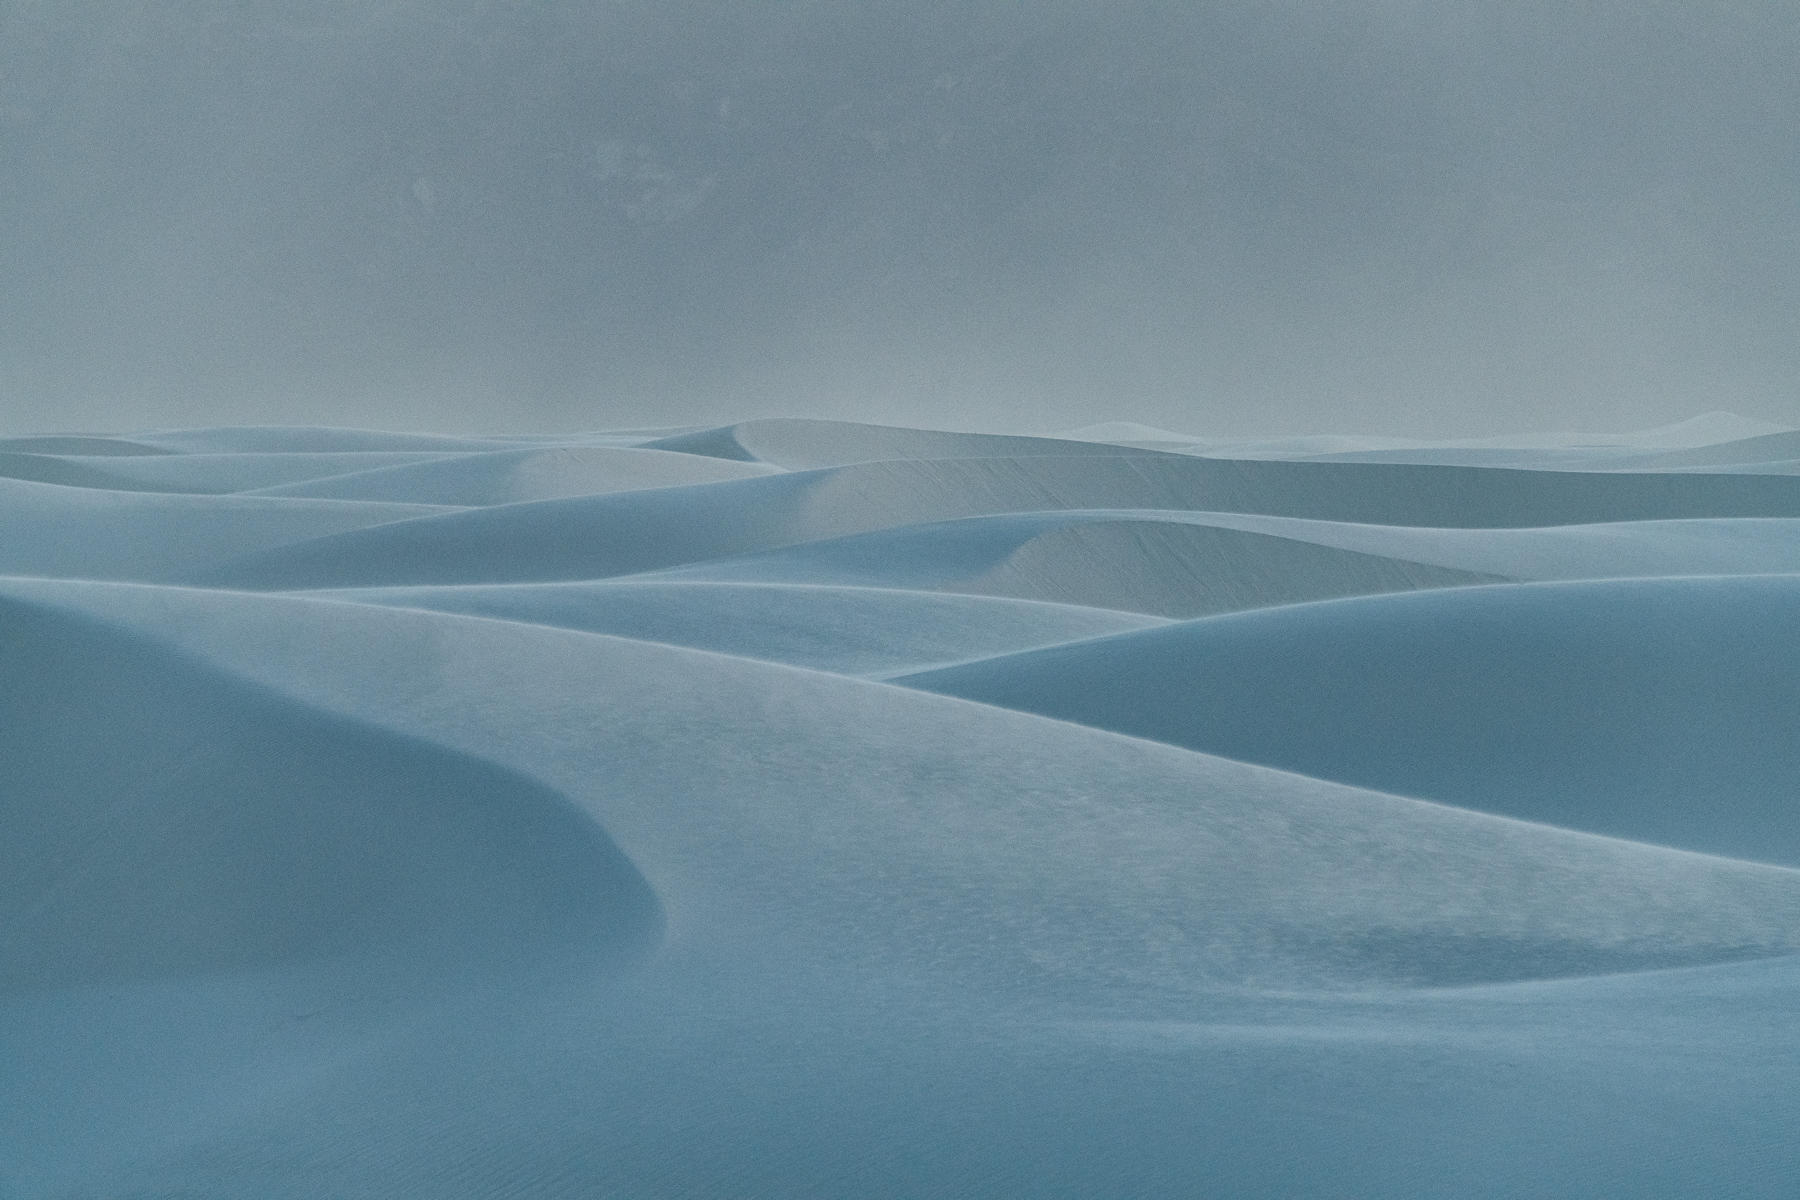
805 820
1659 710
512 476
590 537
161 818
848 629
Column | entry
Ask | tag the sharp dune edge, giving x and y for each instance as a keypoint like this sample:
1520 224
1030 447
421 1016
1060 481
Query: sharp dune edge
806 809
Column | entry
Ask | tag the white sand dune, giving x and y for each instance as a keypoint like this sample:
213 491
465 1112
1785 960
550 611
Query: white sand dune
1726 546
1707 429
850 630
807 445
79 444
164 820
93 533
1750 452
808 809
592 537
775 820
1659 710
1161 563
310 439
512 476
197 474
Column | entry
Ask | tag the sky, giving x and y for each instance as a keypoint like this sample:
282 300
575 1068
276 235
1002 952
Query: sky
1419 218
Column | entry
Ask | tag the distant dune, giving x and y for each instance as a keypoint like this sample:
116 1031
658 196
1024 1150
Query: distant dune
749 810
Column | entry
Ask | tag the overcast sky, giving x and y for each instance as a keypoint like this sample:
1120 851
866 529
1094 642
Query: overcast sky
1427 217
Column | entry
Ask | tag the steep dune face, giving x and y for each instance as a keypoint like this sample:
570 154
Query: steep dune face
166 820
798 808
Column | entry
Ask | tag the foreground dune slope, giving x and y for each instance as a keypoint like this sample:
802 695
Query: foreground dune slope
787 803
166 820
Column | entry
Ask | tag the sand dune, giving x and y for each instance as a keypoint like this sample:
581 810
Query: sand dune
1161 563
165 820
101 534
79 444
592 537
853 630
1729 546
807 445
307 439
1658 710
1167 869
809 809
512 476
197 474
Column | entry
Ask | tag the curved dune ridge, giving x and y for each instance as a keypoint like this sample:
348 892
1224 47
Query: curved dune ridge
164 819
853 630
509 477
1660 710
1162 563
807 808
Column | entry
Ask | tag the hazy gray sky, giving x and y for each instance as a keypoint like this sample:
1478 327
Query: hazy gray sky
1271 216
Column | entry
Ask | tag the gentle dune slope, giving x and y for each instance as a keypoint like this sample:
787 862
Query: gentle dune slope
1162 563
586 537
1385 494
856 630
1744 452
511 476
76 444
806 445
49 468
282 439
1659 710
619 534
1730 546
163 819
197 474
805 815
98 534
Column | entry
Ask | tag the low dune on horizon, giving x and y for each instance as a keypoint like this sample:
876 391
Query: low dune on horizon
811 808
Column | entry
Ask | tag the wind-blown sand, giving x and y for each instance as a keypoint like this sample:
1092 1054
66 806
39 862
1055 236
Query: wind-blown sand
807 809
